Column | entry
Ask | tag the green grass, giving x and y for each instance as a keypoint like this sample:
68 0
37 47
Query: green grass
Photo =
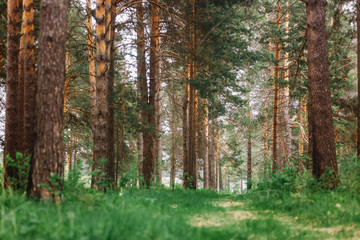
179 214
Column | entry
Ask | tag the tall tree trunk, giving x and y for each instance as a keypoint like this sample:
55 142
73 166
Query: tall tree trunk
149 137
20 92
212 165
91 60
173 139
48 168
266 143
206 144
322 130
155 95
11 121
29 76
217 160
190 180
110 164
287 120
249 160
101 127
185 119
141 80
275 158
302 112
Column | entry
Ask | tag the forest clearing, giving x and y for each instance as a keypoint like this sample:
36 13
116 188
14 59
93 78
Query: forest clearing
170 119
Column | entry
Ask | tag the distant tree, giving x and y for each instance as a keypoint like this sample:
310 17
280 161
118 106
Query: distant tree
48 168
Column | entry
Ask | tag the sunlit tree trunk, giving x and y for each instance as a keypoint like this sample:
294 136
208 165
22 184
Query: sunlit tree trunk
11 121
110 164
190 180
29 76
321 130
206 144
286 90
48 168
91 60
149 140
101 127
219 181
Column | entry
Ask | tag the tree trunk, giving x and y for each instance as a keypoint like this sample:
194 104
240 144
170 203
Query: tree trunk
217 160
275 158
91 60
190 180
20 92
185 117
288 134
101 127
266 141
149 154
48 168
249 162
110 164
322 130
29 76
206 145
173 139
141 79
11 121
212 183
155 81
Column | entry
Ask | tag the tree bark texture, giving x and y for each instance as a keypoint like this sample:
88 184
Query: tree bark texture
322 130
190 180
20 93
206 145
29 76
101 127
212 165
48 165
110 164
11 121
155 73
286 91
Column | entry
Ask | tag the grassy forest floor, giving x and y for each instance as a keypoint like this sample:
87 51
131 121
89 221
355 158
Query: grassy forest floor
182 214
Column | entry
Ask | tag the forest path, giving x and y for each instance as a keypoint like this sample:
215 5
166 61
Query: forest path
266 224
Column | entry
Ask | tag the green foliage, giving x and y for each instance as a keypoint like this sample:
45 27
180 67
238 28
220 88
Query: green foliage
22 165
349 172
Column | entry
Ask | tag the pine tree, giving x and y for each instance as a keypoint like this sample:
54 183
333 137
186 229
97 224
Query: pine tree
321 127
48 169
